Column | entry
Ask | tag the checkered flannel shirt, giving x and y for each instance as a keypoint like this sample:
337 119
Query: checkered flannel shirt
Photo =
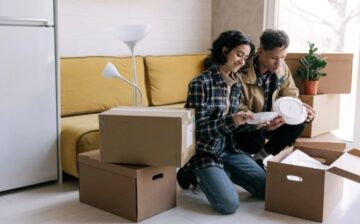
267 82
207 94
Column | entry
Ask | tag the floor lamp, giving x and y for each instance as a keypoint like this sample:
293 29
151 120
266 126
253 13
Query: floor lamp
131 35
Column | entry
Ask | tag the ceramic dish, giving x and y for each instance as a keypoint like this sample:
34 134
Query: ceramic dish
292 109
262 117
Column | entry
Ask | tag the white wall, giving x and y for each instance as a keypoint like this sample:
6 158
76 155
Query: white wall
177 26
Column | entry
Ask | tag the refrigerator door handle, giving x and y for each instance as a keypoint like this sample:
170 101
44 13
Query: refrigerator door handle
22 21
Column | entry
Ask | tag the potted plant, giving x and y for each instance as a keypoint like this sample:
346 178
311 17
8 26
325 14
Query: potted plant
310 70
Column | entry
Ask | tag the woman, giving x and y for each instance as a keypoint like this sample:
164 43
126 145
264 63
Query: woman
215 95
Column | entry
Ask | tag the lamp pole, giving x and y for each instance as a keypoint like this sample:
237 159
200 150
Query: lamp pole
131 45
134 77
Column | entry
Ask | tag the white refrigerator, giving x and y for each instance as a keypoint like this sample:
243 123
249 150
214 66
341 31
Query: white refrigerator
28 94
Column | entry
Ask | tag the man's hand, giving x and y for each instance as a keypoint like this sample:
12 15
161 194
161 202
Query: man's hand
275 123
310 112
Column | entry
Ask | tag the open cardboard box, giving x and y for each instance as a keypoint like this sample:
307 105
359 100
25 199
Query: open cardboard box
132 192
305 192
147 136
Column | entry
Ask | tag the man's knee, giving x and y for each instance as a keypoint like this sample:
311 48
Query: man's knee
260 190
259 184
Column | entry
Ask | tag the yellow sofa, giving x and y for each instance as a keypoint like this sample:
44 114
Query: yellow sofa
85 93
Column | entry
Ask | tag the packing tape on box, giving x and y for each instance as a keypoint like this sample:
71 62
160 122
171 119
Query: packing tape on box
143 111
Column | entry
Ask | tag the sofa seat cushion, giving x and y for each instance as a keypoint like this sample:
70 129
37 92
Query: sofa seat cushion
169 76
78 134
173 106
84 90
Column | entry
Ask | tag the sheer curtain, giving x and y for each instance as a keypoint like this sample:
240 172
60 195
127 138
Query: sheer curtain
356 143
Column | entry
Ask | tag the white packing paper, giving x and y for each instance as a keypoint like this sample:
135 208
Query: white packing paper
300 158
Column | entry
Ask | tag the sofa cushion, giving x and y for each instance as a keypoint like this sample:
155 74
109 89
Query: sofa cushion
172 106
84 90
169 76
78 134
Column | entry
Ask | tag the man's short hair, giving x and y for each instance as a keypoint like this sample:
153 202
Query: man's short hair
271 39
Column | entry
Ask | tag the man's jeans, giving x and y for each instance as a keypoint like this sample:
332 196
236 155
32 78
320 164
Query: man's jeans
217 184
280 138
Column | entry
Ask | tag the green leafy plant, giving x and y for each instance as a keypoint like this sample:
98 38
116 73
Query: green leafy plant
311 65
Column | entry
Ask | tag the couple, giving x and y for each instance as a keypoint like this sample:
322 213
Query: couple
224 96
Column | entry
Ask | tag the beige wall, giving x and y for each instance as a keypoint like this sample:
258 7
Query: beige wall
244 15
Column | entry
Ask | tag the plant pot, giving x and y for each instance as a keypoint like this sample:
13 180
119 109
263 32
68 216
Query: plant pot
310 87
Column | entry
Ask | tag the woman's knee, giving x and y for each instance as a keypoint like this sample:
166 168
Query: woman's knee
219 189
227 206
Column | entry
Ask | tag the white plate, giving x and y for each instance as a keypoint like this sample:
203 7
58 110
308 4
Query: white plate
291 109
262 117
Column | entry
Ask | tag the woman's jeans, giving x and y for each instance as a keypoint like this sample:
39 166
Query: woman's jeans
217 184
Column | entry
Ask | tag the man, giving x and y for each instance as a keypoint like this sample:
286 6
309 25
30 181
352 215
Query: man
269 78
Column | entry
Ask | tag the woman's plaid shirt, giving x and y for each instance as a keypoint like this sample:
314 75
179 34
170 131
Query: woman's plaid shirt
207 95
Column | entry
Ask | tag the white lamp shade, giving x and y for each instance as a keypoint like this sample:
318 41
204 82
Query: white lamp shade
110 71
132 32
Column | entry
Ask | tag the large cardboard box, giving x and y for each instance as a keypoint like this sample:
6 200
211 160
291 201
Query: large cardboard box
325 141
338 70
132 192
147 136
327 108
305 192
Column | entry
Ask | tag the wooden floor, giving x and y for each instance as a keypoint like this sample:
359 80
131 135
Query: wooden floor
59 203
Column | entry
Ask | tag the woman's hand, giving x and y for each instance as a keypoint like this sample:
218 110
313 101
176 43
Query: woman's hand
241 117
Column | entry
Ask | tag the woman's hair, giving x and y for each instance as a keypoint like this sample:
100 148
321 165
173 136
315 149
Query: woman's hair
229 40
271 39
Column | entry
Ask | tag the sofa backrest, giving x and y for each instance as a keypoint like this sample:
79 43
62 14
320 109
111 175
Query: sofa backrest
169 76
85 90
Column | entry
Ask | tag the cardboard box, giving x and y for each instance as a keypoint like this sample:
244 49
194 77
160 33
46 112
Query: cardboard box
147 136
132 192
309 193
327 108
338 70
325 141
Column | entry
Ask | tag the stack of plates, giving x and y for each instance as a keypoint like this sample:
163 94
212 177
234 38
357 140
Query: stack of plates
291 109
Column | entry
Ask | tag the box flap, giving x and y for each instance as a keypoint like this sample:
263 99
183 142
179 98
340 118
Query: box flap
348 165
